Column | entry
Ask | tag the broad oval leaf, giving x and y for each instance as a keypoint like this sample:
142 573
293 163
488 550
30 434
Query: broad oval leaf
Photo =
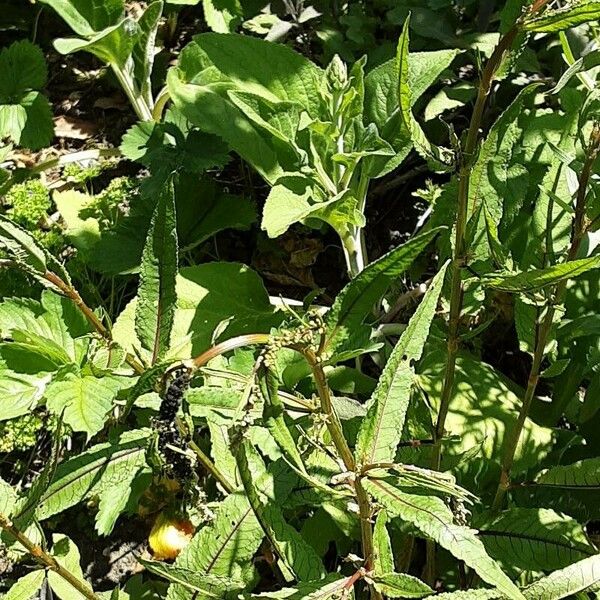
401 585
223 548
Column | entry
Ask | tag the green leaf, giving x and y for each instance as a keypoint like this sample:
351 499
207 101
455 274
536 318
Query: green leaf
479 594
210 586
83 400
381 429
29 123
571 15
27 586
534 539
274 418
298 557
381 98
583 474
20 244
291 199
328 588
24 391
484 408
218 76
173 145
384 559
67 555
23 68
539 278
358 297
229 295
25 113
85 17
242 59
401 585
440 157
112 45
381 83
491 183
566 582
223 16
223 548
157 297
434 519
144 48
94 472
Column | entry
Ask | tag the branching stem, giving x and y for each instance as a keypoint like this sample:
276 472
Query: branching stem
459 252
71 293
544 329
46 559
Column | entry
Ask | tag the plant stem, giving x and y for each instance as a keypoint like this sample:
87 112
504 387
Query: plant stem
46 559
160 104
142 110
210 466
355 261
65 159
459 254
334 427
237 342
544 330
459 258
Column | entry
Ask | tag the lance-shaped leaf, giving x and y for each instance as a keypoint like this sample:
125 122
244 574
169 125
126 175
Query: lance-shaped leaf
156 296
536 539
567 582
441 158
536 279
298 558
478 594
208 586
274 418
384 559
571 15
381 429
327 588
582 475
357 299
144 47
225 547
434 519
400 585
21 245
94 472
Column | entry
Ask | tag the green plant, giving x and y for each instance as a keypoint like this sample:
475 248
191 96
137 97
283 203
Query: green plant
317 137
25 113
295 450
123 43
